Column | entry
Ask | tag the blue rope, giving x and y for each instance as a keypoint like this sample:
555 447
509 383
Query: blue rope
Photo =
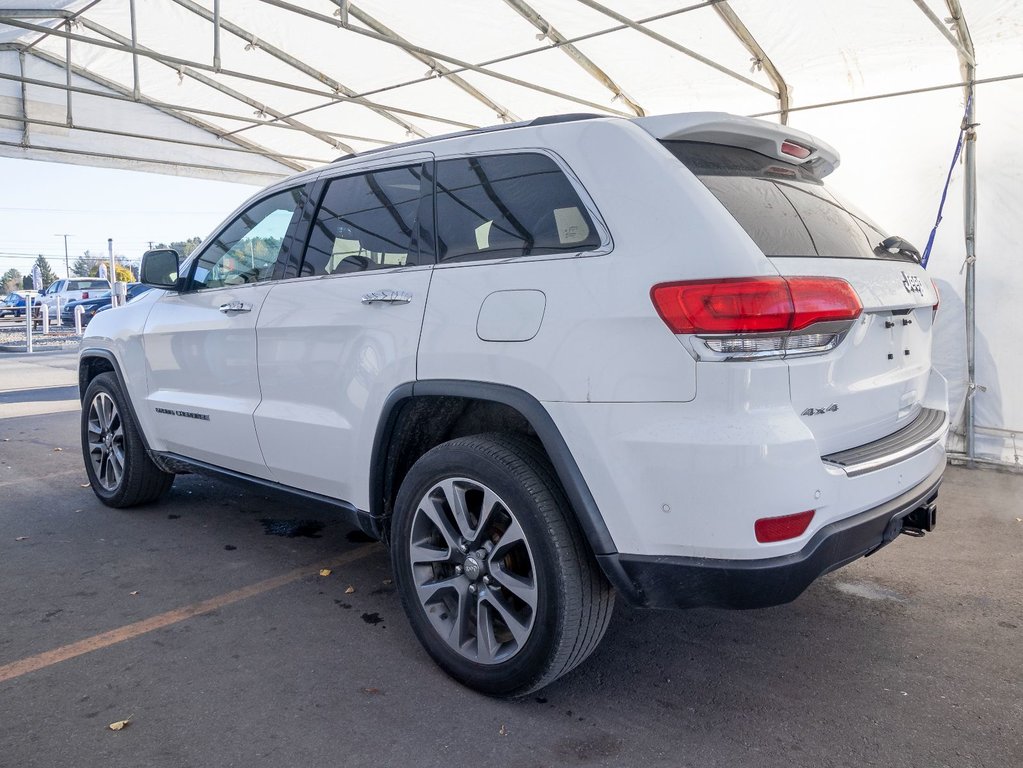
948 180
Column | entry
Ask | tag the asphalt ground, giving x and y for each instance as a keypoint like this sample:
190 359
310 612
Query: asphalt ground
208 628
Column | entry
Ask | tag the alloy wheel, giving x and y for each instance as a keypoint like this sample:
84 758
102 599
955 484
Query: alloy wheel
473 571
106 441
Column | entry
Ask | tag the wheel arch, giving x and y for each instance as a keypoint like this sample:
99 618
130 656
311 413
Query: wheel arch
395 449
94 361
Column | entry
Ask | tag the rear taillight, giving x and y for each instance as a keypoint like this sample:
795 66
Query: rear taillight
760 316
768 529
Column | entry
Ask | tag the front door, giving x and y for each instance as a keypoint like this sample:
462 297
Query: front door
200 344
334 341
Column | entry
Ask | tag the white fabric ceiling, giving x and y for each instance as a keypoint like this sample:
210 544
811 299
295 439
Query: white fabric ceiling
300 82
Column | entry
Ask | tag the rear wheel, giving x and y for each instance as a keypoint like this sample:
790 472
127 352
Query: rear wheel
493 572
119 469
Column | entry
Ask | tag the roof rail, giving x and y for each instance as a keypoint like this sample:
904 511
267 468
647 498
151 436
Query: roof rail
543 120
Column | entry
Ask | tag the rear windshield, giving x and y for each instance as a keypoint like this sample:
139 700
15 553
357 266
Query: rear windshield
785 208
87 285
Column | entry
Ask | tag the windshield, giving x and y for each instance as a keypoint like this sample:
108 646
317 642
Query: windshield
785 208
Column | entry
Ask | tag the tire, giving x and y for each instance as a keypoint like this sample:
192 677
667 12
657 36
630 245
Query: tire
522 601
119 468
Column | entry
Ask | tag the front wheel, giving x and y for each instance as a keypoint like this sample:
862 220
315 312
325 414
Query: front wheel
494 573
119 469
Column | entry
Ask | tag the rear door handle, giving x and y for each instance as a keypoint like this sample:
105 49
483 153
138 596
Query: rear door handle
387 297
236 306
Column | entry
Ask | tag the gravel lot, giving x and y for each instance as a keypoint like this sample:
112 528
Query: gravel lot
12 336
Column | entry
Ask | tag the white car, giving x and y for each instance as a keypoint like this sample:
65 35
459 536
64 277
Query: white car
71 289
546 363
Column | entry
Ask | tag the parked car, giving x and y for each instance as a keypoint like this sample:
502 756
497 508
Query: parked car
546 363
13 305
73 289
98 304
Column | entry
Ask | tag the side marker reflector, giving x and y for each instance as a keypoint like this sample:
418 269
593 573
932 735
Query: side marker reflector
770 529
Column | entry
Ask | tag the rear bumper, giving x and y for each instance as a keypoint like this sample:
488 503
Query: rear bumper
689 582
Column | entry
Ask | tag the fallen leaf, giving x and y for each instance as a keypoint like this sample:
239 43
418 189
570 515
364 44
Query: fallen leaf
325 572
1019 519
133 593
20 538
503 731
58 450
371 690
387 581
120 725
350 590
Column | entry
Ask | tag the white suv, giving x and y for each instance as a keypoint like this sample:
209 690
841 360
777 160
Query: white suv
546 362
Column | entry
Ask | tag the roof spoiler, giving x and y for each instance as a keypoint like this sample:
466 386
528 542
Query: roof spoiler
777 141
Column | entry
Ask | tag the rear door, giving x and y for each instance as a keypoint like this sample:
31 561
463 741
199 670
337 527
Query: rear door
874 381
340 332
200 344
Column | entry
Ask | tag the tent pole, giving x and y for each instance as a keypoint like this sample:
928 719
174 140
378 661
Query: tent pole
216 35
24 100
760 57
67 75
970 230
549 32
135 90
612 14
968 66
188 71
505 114
219 22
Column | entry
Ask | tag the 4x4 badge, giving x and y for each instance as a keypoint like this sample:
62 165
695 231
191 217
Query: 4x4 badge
912 284
820 411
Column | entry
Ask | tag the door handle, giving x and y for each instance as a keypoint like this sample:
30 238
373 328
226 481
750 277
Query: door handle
387 297
236 306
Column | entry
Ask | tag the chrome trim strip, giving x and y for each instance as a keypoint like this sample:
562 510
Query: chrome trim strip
877 454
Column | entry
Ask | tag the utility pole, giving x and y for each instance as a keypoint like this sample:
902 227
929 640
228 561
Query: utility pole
67 267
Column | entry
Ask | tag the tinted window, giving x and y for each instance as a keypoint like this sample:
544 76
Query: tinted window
247 249
784 208
87 285
508 205
371 221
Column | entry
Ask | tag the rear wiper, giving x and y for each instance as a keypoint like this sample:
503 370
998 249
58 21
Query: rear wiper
897 246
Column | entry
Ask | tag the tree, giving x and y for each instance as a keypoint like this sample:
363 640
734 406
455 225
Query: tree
45 272
88 266
11 281
85 266
184 247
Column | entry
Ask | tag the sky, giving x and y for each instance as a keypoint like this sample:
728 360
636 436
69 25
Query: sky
40 201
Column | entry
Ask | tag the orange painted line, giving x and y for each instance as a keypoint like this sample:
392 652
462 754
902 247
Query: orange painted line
114 636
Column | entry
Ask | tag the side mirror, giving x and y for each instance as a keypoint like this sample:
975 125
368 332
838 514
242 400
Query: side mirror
160 268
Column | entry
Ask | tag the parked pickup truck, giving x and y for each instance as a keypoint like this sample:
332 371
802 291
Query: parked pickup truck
73 289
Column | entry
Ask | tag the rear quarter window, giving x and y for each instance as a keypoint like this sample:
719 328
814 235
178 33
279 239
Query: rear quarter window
507 206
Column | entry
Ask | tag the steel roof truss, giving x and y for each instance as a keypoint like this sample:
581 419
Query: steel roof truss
548 31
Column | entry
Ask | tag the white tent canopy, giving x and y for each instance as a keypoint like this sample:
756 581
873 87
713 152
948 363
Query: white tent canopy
250 90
